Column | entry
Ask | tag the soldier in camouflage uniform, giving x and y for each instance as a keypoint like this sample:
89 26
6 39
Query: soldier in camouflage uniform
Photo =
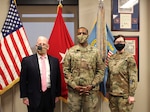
122 80
84 70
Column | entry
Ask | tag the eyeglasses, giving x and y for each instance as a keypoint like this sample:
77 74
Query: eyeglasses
79 33
119 42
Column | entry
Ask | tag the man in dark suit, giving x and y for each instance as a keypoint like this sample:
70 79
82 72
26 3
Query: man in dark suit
34 96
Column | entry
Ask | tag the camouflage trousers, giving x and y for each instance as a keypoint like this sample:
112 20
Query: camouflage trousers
82 103
119 104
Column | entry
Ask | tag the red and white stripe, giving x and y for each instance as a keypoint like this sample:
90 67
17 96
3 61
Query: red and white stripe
108 56
13 48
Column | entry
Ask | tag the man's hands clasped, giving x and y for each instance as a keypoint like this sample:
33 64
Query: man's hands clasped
83 89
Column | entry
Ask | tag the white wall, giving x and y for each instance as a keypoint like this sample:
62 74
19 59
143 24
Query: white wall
11 102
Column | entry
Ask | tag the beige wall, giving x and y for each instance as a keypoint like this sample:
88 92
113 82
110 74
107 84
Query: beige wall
10 101
148 40
87 12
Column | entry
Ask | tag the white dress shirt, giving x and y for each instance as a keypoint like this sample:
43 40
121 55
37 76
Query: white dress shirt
47 69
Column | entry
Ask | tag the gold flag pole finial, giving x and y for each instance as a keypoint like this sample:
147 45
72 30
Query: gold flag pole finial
100 0
60 1
15 2
101 3
60 4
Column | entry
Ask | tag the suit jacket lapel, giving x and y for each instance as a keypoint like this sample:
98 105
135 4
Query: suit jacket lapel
36 63
50 63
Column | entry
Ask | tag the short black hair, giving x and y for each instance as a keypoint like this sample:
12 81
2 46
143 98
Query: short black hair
118 36
83 28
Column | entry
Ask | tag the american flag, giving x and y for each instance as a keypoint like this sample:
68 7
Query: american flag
13 47
108 56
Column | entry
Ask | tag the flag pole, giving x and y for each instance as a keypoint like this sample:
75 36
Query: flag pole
60 1
101 101
60 100
61 106
13 99
0 105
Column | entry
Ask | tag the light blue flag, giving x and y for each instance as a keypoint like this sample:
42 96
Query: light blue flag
110 41
92 36
110 50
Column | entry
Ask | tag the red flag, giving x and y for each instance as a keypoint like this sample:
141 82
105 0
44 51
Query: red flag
13 47
59 42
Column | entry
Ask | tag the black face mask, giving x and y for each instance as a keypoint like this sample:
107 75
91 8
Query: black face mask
119 47
39 47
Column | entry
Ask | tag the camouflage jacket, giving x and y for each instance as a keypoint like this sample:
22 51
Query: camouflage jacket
83 66
122 80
